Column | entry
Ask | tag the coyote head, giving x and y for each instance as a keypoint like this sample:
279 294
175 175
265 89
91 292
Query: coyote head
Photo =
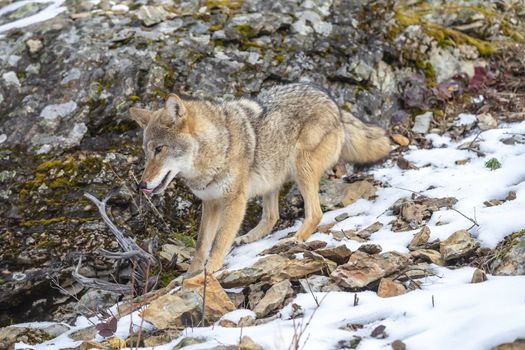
167 142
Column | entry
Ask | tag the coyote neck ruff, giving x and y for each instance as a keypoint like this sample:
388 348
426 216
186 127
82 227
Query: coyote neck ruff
231 151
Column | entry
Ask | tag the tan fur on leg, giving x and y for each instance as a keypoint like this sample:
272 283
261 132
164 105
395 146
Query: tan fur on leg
310 165
231 219
211 214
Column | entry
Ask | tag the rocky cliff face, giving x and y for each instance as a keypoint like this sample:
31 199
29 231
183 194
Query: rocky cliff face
67 83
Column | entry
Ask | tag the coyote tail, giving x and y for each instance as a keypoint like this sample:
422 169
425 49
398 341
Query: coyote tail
364 143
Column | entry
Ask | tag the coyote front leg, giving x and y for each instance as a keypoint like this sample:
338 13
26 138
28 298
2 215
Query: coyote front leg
211 214
231 219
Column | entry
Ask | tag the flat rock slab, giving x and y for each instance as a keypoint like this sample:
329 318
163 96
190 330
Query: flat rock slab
184 308
274 268
363 269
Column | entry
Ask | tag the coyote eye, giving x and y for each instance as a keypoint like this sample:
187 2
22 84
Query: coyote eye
158 149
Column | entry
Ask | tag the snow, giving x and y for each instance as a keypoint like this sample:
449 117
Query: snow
464 315
49 12
466 119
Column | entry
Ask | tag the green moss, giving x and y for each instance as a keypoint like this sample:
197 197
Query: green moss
279 58
444 35
429 71
216 27
229 4
169 78
246 31
43 222
166 277
187 240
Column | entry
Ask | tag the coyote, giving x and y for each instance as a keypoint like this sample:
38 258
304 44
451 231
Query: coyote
231 151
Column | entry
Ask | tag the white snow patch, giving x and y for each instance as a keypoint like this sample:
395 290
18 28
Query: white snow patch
466 119
49 12
236 315
120 8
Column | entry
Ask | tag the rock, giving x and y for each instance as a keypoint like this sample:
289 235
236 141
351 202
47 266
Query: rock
56 329
95 300
486 121
420 238
405 164
91 344
458 245
325 228
165 337
244 26
511 260
422 123
286 246
11 79
317 283
316 244
238 318
446 64
151 15
84 334
184 308
217 301
188 341
357 190
363 269
174 310
341 217
389 288
412 212
247 343
478 276
366 232
170 251
518 344
339 254
11 335
54 112
379 332
116 343
34 46
428 255
309 22
274 298
398 345
400 140
332 192
370 248
274 268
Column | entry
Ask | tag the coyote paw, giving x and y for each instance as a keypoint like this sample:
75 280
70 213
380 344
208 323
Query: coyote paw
242 240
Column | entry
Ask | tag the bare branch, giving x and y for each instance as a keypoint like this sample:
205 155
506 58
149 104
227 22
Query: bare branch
466 217
126 243
98 283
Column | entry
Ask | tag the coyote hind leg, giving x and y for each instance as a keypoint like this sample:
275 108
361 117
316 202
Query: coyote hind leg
309 167
270 215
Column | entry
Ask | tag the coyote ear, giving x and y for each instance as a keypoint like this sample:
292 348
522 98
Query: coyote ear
175 106
140 115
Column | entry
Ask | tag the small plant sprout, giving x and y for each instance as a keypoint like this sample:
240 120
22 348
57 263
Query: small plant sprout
493 164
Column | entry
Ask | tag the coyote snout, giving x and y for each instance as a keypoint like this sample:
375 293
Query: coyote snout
228 152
